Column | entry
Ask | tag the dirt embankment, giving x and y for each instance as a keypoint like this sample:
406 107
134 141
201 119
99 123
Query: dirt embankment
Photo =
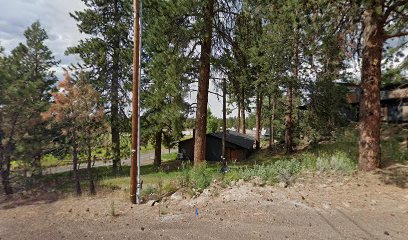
364 206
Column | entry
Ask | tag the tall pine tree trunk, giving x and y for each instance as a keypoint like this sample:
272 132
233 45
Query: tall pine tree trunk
2 158
275 104
239 116
115 126
370 109
5 164
75 164
157 149
89 168
289 102
258 119
7 153
272 107
288 120
243 111
203 84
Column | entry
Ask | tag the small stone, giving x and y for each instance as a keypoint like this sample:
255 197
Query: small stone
151 203
386 233
283 184
221 219
142 228
70 210
177 196
87 209
207 192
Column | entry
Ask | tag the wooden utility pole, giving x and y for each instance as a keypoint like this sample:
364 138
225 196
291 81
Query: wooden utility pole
135 155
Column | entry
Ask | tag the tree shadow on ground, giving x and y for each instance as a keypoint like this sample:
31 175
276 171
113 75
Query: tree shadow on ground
18 199
54 187
396 174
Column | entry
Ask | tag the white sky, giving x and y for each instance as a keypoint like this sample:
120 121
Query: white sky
17 15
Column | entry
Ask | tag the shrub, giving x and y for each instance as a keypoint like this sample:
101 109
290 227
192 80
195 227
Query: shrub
282 170
338 161
308 161
199 178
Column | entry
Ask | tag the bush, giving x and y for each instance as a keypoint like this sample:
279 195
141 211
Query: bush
282 170
308 161
338 161
199 179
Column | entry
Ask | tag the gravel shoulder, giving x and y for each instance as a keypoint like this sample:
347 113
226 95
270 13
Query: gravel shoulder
316 206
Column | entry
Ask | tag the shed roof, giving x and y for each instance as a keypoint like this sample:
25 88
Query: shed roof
239 139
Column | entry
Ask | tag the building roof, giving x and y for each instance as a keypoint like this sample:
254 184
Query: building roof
239 139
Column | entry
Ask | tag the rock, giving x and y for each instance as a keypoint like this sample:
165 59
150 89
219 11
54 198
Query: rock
152 202
206 192
257 181
177 196
142 228
386 233
346 204
240 182
283 184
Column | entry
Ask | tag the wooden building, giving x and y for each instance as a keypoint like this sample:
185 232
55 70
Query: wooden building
394 101
238 147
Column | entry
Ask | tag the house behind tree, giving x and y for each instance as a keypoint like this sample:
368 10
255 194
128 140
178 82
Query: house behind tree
238 147
394 101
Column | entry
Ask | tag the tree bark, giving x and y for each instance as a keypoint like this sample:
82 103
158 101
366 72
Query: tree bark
272 132
370 109
75 164
258 119
89 168
243 111
239 117
272 107
157 149
115 128
288 120
2 158
6 175
203 84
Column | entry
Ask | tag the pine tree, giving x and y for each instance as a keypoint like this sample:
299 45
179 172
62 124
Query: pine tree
206 37
164 83
76 112
107 55
382 20
28 79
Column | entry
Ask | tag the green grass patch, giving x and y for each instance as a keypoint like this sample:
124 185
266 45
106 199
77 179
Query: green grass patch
339 156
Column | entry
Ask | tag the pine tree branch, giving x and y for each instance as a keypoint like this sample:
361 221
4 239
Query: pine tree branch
402 34
392 8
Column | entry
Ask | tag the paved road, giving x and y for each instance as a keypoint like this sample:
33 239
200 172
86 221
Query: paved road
145 159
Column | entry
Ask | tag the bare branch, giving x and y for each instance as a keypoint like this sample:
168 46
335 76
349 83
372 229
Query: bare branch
401 34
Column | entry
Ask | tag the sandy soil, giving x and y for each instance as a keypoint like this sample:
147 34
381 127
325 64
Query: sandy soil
363 206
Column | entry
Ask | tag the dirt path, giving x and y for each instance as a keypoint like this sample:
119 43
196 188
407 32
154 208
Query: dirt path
145 159
366 206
